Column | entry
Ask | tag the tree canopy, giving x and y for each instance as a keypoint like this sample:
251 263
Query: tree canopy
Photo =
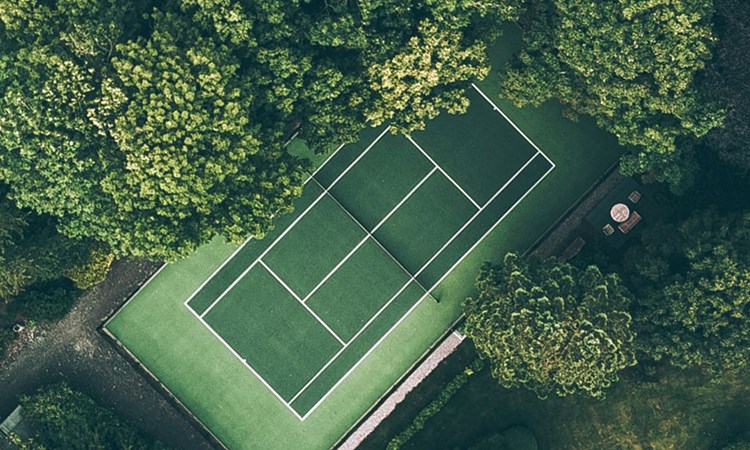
629 64
551 327
152 127
693 308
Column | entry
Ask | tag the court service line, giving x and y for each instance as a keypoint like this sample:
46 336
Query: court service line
421 269
291 226
502 113
245 363
390 330
445 174
280 281
362 242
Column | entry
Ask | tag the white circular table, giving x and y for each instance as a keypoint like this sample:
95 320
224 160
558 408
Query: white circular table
620 212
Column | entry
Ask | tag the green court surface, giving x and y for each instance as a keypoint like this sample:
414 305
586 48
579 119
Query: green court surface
286 341
376 226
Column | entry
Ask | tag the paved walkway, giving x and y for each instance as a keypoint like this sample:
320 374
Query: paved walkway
73 350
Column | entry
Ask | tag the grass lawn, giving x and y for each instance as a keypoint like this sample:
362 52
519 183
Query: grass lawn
237 407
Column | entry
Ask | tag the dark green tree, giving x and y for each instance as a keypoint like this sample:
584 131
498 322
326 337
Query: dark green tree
67 419
693 307
727 84
551 327
630 65
31 249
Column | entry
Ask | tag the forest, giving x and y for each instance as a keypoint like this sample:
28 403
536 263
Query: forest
143 129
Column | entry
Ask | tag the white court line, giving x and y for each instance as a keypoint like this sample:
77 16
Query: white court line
325 325
369 235
496 108
244 363
324 163
289 228
224 263
421 269
232 255
387 333
445 174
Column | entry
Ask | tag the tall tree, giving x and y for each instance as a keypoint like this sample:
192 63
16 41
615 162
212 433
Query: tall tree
630 65
693 308
151 152
430 75
551 327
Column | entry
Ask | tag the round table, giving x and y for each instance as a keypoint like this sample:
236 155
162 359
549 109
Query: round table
620 212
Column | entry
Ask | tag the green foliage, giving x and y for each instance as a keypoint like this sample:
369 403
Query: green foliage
514 438
49 300
7 336
436 405
65 418
744 445
31 249
154 130
551 327
726 83
694 299
93 271
630 65
428 76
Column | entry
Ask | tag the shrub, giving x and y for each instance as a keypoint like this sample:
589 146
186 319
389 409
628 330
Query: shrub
7 336
93 271
436 405
67 419
49 300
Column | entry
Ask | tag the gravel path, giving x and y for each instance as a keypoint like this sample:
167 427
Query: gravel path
375 418
73 350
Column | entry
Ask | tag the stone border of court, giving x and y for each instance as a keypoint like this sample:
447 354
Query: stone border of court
426 365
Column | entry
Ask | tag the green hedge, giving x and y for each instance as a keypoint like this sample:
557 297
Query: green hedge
436 405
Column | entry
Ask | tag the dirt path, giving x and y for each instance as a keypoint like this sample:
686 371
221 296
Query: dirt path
73 350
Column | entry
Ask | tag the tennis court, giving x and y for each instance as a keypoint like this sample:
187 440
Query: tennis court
380 224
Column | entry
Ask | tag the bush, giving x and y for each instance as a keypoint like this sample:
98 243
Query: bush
436 405
93 271
67 419
49 300
514 438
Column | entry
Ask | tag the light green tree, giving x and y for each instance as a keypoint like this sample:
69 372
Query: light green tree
550 327
427 77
